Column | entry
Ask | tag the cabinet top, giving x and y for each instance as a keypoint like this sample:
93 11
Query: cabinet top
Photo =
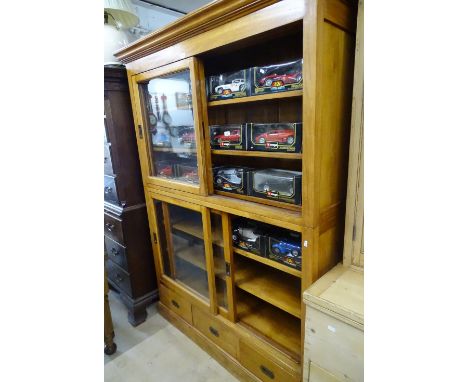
339 293
194 23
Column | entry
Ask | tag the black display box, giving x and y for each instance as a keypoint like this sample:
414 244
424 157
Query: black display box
250 236
165 169
285 248
231 179
228 137
187 173
277 78
281 185
279 137
229 85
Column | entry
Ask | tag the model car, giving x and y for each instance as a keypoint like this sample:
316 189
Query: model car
191 176
162 139
228 178
272 187
245 237
237 85
283 79
228 136
188 137
165 171
285 135
288 253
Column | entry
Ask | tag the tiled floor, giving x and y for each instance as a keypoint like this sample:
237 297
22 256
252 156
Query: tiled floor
157 351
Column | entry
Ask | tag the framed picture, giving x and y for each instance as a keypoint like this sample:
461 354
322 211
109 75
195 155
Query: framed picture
183 101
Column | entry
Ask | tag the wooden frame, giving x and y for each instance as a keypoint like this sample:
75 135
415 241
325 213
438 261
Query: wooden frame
144 145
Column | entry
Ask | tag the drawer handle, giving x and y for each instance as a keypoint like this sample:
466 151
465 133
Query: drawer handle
107 190
105 159
267 372
119 278
174 302
114 251
110 226
214 331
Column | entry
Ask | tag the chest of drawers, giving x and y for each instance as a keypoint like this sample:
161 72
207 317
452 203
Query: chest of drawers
130 264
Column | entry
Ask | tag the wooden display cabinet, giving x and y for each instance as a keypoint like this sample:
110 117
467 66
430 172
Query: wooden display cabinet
244 309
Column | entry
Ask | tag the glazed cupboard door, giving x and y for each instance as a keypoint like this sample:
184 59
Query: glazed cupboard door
169 127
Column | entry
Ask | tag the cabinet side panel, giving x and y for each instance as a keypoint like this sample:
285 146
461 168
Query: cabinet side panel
330 249
335 82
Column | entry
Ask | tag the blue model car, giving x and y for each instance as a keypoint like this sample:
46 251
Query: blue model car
288 253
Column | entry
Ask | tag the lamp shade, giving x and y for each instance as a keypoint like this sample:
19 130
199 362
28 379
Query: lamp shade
122 11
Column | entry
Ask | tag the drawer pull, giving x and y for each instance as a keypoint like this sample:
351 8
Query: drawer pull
114 251
107 190
105 159
110 226
267 372
175 303
214 331
119 278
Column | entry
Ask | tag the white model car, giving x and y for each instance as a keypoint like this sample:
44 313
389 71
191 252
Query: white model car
236 85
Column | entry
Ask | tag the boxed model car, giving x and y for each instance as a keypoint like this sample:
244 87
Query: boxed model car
228 85
280 137
277 78
165 169
285 248
187 172
281 185
231 179
249 235
228 137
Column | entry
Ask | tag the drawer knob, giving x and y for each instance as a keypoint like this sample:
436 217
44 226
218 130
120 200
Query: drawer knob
267 372
214 331
119 278
175 303
110 226
105 159
107 189
114 251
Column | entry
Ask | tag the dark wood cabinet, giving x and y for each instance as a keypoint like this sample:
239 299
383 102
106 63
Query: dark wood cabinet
130 264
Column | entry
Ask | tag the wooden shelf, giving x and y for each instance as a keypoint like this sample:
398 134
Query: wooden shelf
261 154
270 285
194 229
256 98
256 200
174 149
269 262
189 256
271 323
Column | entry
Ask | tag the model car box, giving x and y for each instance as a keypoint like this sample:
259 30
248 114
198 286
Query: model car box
187 172
228 137
231 179
285 248
250 236
229 85
280 185
165 169
279 137
277 78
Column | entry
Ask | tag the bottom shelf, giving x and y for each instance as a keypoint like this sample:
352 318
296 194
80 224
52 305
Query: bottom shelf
271 323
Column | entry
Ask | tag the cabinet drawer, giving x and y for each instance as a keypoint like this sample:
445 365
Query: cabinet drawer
108 169
216 331
116 252
113 228
176 303
110 190
264 368
119 277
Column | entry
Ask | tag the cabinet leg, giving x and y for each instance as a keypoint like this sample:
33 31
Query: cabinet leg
137 315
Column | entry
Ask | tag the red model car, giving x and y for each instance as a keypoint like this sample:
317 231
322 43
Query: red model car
166 171
281 79
191 176
232 136
188 137
286 135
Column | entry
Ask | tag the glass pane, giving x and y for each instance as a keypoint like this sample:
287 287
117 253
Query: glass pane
186 236
169 119
219 262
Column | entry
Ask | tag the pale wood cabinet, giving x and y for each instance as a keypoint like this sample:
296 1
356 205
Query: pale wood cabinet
245 309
